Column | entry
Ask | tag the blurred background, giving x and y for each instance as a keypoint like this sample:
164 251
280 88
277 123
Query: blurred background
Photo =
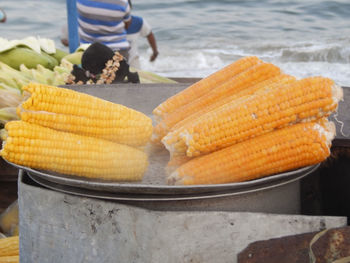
198 37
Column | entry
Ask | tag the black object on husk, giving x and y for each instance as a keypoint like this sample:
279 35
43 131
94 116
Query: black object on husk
95 57
94 62
79 73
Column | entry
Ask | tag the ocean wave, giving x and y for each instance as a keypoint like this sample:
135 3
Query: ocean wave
302 60
331 54
196 38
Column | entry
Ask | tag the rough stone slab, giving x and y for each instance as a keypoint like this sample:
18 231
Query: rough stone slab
56 227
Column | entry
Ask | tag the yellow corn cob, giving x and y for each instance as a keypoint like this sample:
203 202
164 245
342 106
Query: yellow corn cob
9 259
250 77
9 246
204 85
179 145
252 115
72 111
278 151
9 219
47 149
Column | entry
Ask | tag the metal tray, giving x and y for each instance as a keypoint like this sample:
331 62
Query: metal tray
154 179
145 197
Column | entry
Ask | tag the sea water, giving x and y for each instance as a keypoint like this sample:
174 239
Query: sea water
198 37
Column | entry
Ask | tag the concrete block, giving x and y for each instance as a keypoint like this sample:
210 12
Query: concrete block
57 227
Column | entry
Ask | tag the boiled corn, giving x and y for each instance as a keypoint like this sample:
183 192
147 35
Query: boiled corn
9 246
71 111
43 148
204 85
250 77
173 140
9 259
278 151
271 82
271 108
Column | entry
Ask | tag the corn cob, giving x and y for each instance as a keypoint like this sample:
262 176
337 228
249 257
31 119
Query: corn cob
9 246
274 81
204 86
278 151
304 100
248 78
175 162
43 148
175 142
71 111
9 219
179 144
9 259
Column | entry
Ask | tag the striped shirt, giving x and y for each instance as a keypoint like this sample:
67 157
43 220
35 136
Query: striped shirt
103 21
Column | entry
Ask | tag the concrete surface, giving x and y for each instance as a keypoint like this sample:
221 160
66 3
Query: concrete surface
56 227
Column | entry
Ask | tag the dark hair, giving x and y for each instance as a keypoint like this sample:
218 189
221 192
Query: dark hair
130 4
95 57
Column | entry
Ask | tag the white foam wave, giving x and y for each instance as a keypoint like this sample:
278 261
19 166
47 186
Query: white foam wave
300 59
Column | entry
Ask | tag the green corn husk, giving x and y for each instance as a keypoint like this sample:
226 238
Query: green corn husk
3 135
59 79
4 86
66 64
8 114
9 81
11 72
150 77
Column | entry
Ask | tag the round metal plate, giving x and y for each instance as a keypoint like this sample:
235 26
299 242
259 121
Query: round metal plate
164 197
154 181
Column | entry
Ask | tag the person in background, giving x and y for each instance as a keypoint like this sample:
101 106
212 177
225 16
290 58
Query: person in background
2 16
135 28
64 35
104 21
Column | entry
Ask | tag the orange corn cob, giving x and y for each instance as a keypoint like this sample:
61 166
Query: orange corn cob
43 148
175 162
253 115
9 246
250 77
278 151
179 144
174 141
274 81
72 111
204 86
